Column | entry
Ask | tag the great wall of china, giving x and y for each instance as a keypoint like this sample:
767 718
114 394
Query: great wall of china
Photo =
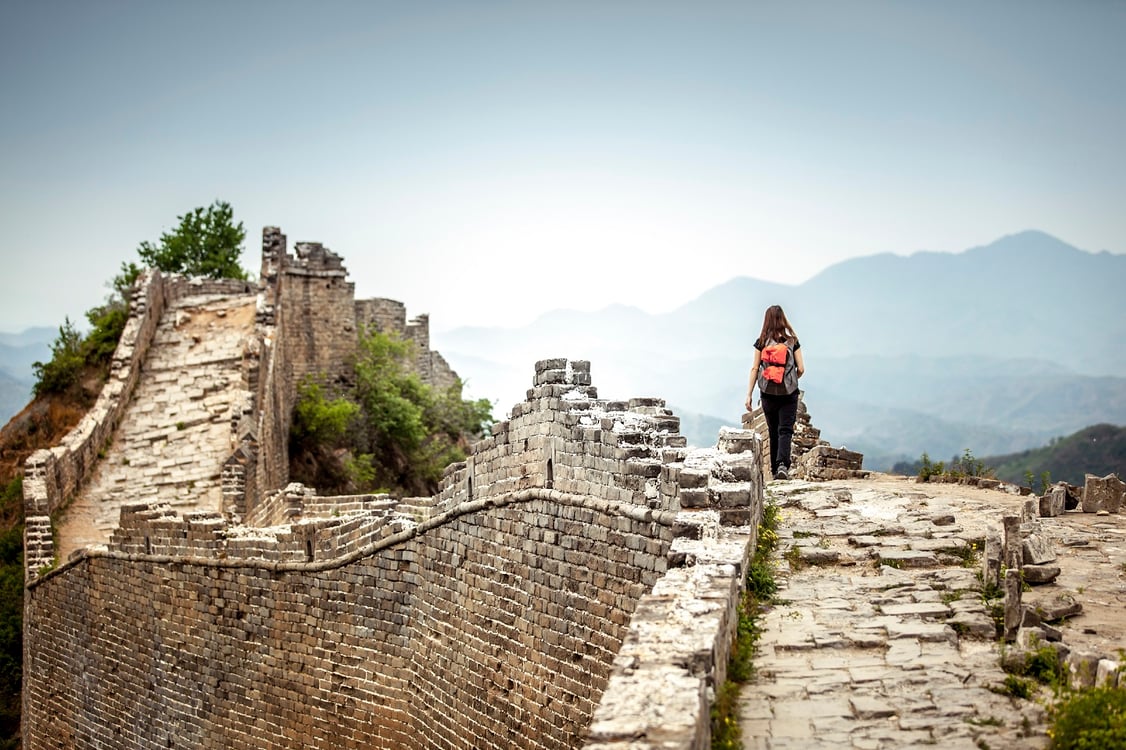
573 585
189 597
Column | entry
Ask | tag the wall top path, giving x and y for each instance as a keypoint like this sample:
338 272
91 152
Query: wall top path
176 431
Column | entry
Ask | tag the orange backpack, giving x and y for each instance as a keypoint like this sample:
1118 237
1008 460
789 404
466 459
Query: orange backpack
779 373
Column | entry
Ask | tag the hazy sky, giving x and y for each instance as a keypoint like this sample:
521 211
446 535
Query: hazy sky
488 161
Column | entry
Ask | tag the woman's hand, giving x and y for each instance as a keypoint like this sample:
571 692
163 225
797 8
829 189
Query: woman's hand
750 404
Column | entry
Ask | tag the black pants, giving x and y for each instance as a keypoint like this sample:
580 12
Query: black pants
781 412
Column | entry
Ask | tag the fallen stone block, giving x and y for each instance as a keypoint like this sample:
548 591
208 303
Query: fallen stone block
1083 668
1032 638
1055 502
975 625
1058 607
1040 574
1074 497
1037 549
1102 493
1107 673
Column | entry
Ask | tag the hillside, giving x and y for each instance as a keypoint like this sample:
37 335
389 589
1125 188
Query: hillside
1099 450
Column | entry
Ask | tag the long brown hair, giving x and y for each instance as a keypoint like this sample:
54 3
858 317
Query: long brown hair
776 327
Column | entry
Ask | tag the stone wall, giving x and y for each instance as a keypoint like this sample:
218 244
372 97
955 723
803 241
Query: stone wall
490 616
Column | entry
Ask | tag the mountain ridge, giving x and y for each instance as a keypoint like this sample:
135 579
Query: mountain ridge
993 313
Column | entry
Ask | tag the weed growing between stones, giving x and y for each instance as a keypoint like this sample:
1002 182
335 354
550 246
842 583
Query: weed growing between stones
951 596
1014 687
793 558
966 554
760 589
1042 665
991 721
897 564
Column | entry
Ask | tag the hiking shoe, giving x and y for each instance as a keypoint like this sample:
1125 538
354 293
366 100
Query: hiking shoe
781 473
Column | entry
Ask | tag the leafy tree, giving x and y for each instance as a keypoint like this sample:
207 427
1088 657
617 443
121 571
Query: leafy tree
65 366
206 243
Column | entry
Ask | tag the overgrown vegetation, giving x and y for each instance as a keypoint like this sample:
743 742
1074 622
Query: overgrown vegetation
1099 449
966 465
388 432
759 591
1042 665
1091 719
1081 719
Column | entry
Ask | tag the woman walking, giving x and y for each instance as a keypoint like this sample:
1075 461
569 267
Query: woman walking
777 367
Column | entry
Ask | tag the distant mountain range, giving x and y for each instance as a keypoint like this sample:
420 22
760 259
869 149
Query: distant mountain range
998 348
17 353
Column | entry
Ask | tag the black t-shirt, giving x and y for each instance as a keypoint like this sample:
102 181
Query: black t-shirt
760 346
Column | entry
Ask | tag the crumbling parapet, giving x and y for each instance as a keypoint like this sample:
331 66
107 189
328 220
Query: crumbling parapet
810 456
52 476
1103 495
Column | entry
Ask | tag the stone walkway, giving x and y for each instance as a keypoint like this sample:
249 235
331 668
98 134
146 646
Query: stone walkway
176 432
881 638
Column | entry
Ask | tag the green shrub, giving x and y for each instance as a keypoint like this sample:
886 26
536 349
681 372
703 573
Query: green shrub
1092 719
1017 687
388 432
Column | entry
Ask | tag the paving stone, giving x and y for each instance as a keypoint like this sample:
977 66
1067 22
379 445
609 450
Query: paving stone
973 625
923 631
871 708
907 558
918 609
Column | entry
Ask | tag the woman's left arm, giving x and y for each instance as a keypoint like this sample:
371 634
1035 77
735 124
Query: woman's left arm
799 360
754 377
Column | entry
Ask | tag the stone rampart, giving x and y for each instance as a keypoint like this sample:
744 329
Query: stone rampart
491 616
